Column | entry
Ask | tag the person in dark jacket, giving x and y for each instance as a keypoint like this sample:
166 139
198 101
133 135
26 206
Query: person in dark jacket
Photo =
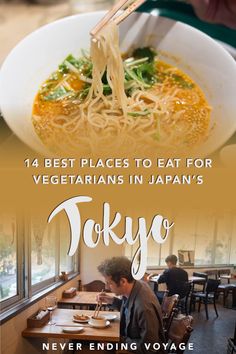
141 317
174 277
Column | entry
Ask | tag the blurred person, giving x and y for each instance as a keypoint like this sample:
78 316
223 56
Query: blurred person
141 317
174 277
216 11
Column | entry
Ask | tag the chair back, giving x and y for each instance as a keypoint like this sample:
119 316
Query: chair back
212 286
180 331
183 303
168 304
94 286
200 285
224 272
169 310
212 273
187 287
200 275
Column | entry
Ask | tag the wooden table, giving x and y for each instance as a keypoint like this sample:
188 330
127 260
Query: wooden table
155 278
82 298
191 279
64 318
18 18
227 277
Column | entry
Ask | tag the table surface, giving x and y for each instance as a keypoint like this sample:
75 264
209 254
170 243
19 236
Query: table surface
18 18
82 298
227 276
191 279
64 318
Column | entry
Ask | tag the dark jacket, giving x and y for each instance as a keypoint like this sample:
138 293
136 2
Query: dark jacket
141 318
175 279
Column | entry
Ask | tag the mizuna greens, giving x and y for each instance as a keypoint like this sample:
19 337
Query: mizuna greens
135 103
140 72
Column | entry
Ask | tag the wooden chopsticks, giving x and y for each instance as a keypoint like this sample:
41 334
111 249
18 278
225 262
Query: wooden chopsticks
128 11
97 310
98 307
110 15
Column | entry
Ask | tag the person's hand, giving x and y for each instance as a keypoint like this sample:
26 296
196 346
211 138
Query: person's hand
152 275
149 277
216 11
105 298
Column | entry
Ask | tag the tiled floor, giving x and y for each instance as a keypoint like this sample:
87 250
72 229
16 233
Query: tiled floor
211 337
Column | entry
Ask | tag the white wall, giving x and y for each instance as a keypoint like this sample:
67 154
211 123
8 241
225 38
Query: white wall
91 258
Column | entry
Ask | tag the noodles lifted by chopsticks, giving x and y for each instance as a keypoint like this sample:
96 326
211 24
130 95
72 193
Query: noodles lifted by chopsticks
125 108
106 59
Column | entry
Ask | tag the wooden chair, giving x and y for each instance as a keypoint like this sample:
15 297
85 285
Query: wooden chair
208 296
94 286
200 285
222 272
180 332
169 310
183 302
212 274
197 286
226 290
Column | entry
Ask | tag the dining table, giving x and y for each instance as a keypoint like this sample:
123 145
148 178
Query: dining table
81 299
192 279
63 319
228 277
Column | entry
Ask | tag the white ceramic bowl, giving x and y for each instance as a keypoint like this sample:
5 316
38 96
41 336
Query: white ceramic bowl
33 60
98 322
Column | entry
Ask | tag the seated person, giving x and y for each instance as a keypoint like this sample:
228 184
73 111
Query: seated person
174 277
141 318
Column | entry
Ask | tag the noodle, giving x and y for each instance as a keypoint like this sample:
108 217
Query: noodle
165 117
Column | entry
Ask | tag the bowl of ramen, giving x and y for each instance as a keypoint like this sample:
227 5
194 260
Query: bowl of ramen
151 86
98 322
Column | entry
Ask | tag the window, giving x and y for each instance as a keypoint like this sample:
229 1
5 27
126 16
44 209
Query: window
47 245
204 242
223 239
212 238
66 262
8 257
43 251
165 249
49 248
184 233
232 259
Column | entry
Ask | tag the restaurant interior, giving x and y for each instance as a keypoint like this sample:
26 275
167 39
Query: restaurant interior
42 288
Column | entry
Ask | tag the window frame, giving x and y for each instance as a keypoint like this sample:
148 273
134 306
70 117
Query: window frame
25 290
35 288
75 257
20 251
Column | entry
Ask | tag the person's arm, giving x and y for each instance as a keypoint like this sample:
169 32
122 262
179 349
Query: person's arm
149 329
163 278
112 301
116 304
216 11
105 298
